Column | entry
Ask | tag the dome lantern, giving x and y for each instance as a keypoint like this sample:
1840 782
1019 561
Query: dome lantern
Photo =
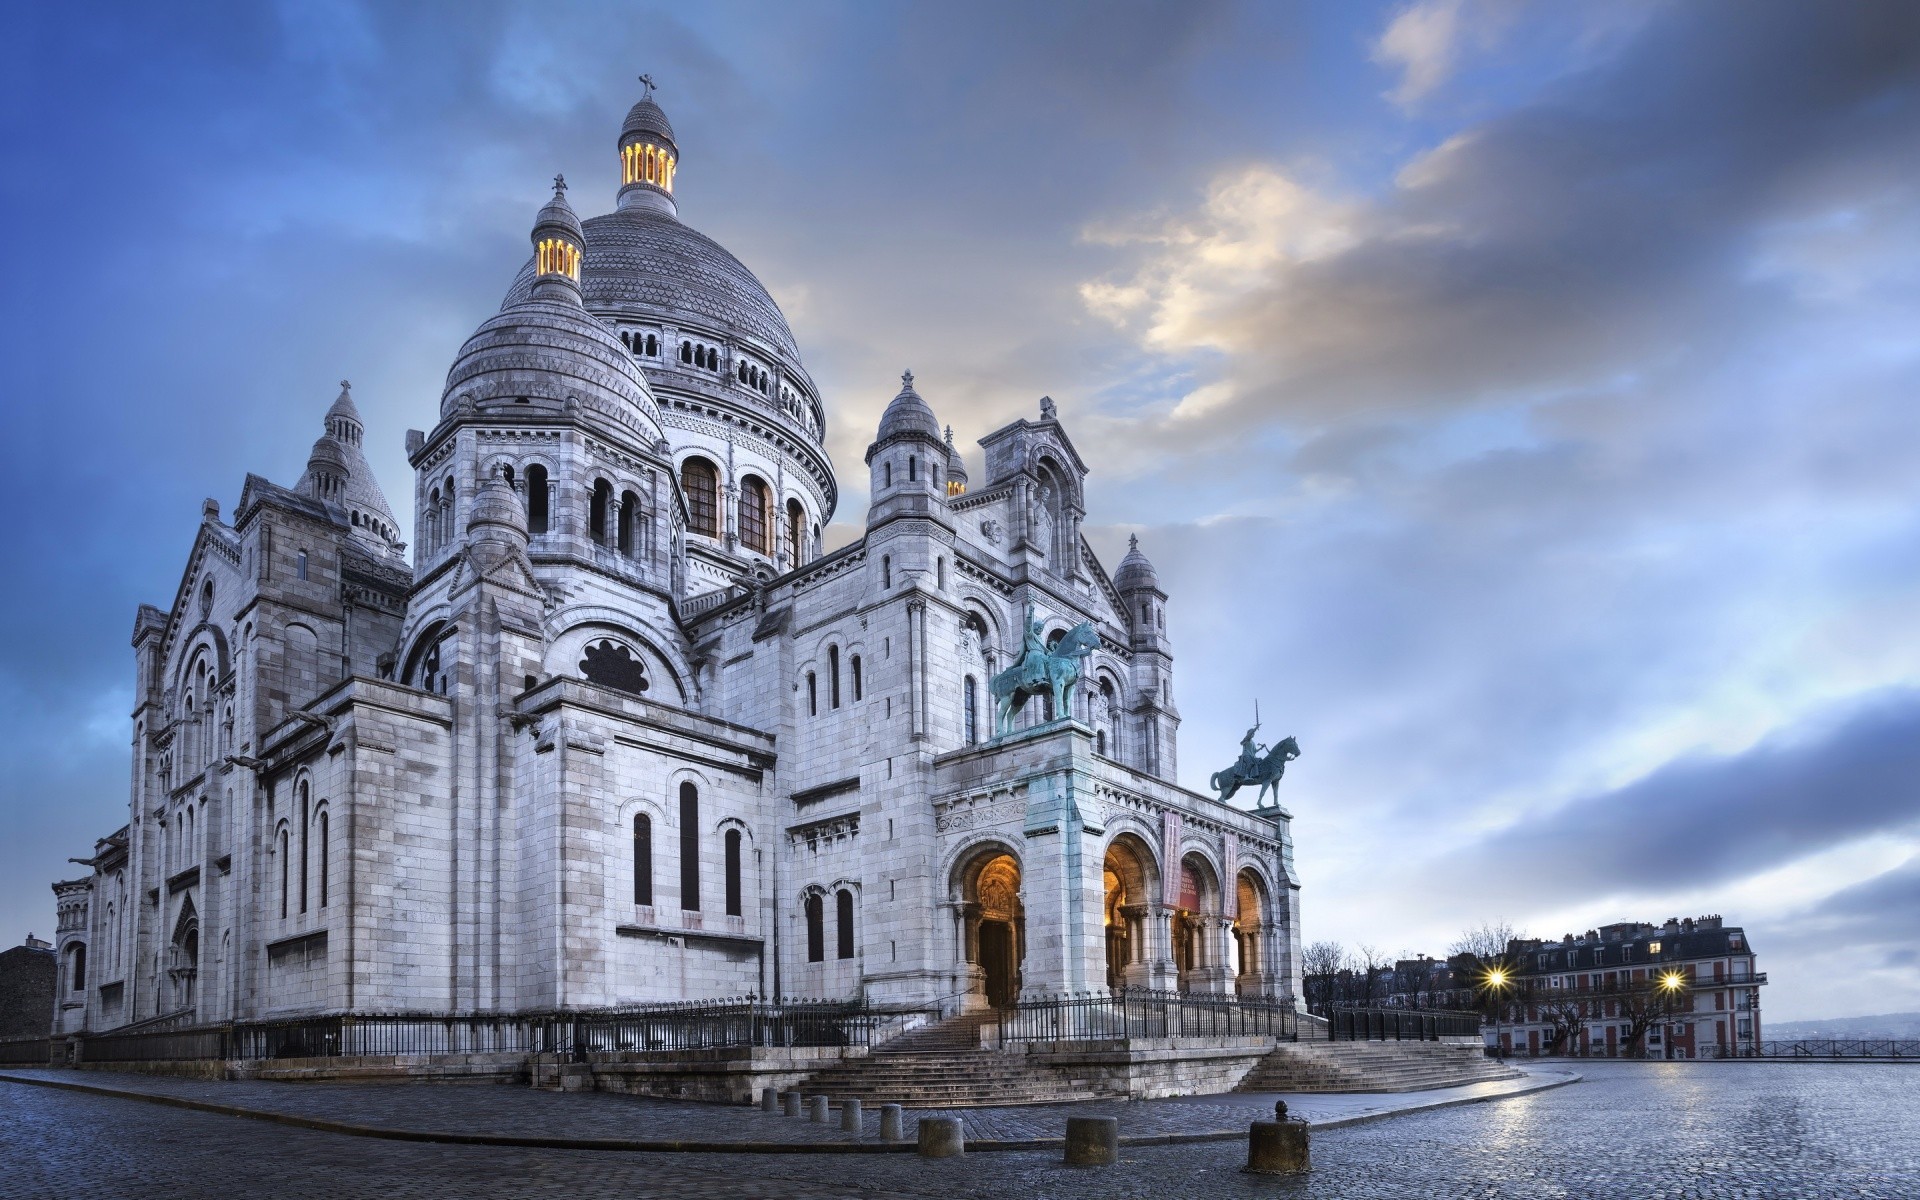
956 469
557 243
649 158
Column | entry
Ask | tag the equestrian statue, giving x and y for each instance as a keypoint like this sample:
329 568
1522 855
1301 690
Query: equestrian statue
1042 670
1254 767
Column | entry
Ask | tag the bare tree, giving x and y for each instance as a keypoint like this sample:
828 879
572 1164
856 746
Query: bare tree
1563 1018
1646 1002
1320 967
1487 941
1374 970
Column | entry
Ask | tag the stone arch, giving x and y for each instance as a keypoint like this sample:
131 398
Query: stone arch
1196 922
183 954
573 633
1130 878
986 880
1252 926
202 637
425 641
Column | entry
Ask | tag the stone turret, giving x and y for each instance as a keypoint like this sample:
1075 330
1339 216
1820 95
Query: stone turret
907 460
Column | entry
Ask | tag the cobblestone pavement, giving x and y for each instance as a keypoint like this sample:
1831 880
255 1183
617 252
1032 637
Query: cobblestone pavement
1671 1131
488 1108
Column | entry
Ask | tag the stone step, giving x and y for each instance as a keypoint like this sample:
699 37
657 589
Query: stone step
1370 1067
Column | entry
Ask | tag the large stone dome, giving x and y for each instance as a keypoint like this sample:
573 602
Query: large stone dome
647 264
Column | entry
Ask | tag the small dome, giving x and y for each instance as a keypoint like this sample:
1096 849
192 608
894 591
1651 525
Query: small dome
552 352
1135 573
328 453
646 118
908 414
496 507
558 216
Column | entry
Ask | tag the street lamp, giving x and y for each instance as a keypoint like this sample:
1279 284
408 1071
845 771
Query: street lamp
1496 980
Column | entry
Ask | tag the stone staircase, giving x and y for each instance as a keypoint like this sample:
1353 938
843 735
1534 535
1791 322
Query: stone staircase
1325 1066
943 1066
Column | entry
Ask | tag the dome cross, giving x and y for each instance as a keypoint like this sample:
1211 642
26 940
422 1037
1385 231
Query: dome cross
646 81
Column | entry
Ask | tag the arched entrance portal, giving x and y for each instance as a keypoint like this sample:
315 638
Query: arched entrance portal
1250 932
1131 888
994 924
1198 956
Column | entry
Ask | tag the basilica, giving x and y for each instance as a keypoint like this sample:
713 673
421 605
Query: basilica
615 730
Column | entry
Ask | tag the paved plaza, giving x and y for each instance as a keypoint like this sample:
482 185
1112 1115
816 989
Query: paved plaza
1678 1130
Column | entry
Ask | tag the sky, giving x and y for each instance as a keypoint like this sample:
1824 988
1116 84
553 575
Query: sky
1517 399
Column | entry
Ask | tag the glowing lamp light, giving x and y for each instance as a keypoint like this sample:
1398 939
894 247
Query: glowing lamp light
1497 977
1673 981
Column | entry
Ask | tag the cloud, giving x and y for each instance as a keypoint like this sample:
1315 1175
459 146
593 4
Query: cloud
1708 818
1606 224
1422 42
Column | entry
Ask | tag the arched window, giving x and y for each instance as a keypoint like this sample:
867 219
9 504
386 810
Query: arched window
689 847
972 701
733 872
813 695
624 539
913 468
305 818
537 499
816 929
756 515
700 480
833 677
77 956
300 565
886 570
886 474
597 512
284 867
843 915
642 859
855 665
653 345
686 352
796 531
320 833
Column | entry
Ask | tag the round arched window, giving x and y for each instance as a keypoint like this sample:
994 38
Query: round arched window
613 665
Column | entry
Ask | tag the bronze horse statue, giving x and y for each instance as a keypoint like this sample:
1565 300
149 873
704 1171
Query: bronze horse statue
1044 671
1264 770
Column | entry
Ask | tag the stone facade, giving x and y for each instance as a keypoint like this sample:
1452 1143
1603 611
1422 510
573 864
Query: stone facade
29 982
618 732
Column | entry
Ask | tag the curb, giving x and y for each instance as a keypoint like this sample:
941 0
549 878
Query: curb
527 1141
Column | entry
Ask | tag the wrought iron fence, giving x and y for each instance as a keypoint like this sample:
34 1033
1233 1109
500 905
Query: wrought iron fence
25 1052
1400 1024
1875 1048
1138 1013
698 1025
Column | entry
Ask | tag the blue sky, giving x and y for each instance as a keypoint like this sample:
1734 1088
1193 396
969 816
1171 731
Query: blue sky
1516 398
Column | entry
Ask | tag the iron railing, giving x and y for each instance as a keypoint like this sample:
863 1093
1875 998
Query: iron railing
699 1025
1874 1048
1400 1024
25 1052
1139 1013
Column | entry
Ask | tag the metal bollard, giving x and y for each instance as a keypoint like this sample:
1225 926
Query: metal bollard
790 1103
890 1123
941 1137
1277 1148
769 1100
817 1110
1093 1141
850 1115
